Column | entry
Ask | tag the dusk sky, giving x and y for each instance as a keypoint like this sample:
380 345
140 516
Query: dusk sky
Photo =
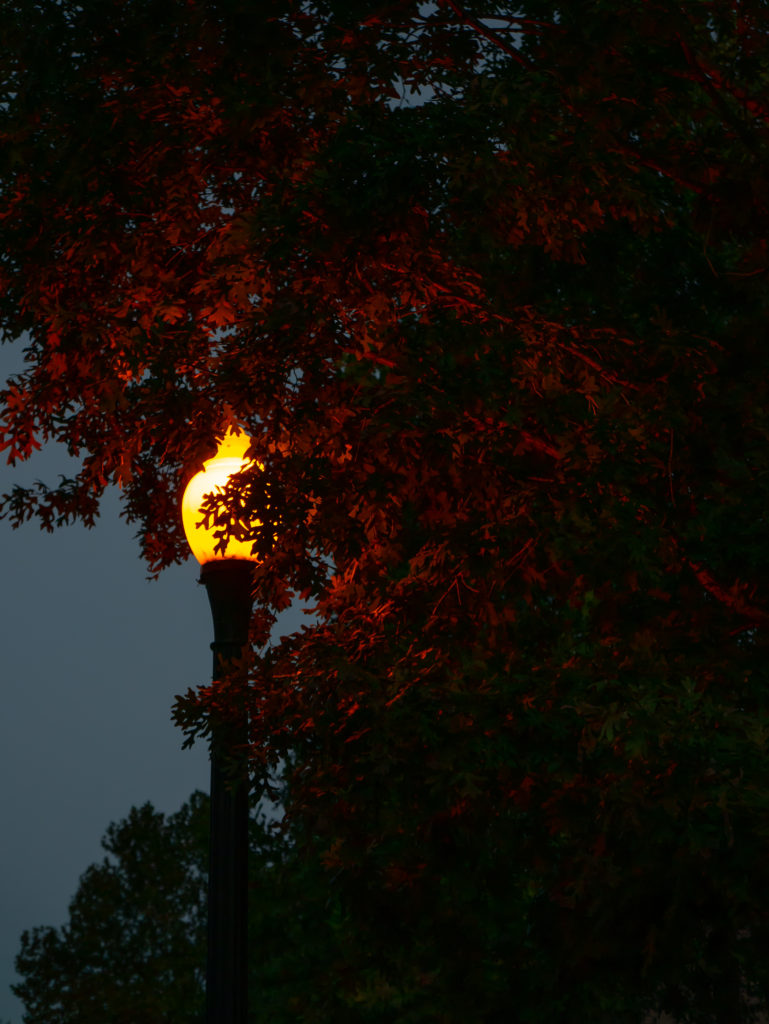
93 656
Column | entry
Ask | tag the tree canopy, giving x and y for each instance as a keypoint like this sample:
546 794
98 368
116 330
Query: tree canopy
487 286
133 948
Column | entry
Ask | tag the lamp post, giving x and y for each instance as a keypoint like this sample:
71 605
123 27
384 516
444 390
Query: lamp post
227 578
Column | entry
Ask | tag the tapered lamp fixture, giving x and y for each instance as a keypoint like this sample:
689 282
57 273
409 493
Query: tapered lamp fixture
227 576
229 459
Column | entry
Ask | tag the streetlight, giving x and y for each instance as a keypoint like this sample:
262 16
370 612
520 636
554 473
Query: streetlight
227 576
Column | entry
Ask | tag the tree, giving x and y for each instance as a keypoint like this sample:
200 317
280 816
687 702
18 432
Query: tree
499 348
133 948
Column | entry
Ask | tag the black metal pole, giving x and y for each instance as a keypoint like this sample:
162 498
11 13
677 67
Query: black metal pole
228 583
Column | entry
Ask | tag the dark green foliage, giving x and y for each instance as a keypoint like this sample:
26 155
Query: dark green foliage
133 949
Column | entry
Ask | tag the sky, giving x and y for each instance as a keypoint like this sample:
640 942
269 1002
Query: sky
93 657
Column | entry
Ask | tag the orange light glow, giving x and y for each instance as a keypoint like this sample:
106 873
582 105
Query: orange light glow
229 459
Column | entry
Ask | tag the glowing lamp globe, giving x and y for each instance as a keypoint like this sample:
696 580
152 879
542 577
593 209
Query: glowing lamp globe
229 459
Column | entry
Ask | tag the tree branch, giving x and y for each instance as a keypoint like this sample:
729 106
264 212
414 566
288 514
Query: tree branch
487 33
